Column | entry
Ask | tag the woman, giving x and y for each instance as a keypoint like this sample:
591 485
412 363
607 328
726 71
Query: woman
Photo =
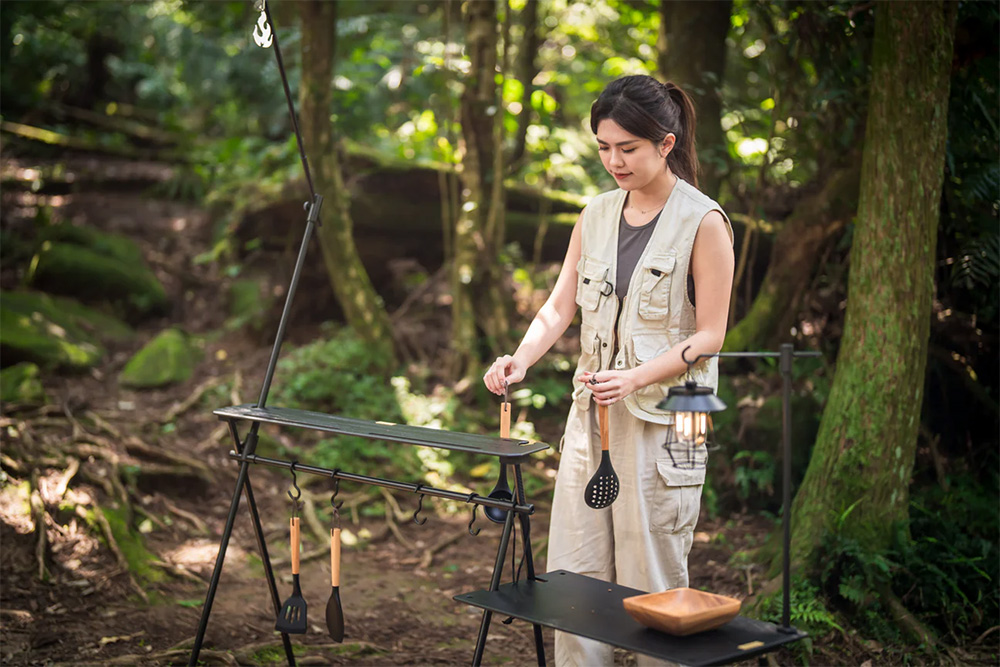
637 257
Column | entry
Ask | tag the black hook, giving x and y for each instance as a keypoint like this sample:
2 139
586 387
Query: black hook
420 506
295 485
475 508
336 490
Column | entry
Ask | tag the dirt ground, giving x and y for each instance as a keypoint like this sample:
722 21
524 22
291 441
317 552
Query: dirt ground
397 598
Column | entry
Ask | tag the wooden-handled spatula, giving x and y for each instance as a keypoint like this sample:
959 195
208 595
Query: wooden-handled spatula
292 617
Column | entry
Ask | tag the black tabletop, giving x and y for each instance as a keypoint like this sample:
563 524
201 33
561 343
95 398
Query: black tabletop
592 608
510 448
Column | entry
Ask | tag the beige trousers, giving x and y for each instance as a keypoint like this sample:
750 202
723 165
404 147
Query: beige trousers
643 539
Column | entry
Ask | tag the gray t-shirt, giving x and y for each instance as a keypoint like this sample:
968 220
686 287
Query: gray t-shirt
632 241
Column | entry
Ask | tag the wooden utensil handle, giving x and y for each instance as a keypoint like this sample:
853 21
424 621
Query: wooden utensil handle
295 544
505 420
335 557
602 417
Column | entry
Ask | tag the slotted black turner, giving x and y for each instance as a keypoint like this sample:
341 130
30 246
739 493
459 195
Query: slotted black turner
292 617
602 489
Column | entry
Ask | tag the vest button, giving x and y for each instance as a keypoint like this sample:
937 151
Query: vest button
604 345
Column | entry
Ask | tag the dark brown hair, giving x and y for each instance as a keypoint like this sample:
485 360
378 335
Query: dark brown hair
649 109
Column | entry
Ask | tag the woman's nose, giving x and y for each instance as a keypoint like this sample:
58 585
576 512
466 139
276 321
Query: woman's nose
616 158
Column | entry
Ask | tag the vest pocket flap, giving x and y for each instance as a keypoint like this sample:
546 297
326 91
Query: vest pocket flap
591 282
678 476
660 265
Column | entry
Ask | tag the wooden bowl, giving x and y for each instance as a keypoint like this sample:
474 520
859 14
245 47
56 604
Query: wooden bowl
682 611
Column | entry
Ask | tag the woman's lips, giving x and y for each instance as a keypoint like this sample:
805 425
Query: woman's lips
619 176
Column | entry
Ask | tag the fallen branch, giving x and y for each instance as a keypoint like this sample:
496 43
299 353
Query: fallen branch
181 407
38 515
428 557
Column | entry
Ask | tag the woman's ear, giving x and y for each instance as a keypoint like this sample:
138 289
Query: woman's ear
667 144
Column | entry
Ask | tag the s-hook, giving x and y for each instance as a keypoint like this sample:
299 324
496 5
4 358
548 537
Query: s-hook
475 508
420 506
336 490
296 503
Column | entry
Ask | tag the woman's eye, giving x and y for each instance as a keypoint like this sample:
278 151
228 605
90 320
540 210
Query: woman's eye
628 150
602 148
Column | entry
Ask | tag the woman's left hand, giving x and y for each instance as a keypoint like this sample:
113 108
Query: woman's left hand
609 386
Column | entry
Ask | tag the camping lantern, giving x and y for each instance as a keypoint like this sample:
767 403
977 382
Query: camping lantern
691 404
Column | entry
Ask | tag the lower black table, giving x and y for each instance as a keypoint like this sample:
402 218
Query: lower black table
593 608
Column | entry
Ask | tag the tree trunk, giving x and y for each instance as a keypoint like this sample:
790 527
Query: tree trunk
692 46
857 481
796 248
362 306
478 301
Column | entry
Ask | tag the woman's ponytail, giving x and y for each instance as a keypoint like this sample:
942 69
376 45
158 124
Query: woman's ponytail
683 159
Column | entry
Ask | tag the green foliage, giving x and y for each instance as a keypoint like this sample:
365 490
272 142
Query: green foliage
807 609
20 384
340 374
944 571
756 474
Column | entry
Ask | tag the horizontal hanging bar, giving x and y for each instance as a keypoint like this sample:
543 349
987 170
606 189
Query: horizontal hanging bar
475 498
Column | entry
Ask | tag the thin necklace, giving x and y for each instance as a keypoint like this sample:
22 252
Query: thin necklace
645 211
652 208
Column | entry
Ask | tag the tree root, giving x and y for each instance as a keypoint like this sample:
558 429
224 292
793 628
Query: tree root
190 517
906 621
181 407
39 516
428 558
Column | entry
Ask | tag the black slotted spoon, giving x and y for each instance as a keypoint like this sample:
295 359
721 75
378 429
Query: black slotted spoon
602 489
292 617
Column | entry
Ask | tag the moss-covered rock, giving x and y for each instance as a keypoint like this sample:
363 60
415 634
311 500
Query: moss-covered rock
83 272
20 384
54 332
33 337
80 321
169 358
109 245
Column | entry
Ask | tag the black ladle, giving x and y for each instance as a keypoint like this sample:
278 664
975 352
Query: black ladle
501 491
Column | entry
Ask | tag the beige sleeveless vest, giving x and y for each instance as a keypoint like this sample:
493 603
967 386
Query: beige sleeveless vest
657 313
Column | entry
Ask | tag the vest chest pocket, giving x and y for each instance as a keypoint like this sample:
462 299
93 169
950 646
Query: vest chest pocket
592 282
654 290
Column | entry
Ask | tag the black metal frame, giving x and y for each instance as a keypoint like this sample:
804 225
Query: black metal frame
786 356
244 453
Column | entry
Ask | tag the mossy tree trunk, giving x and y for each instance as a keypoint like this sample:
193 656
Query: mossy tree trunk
797 245
692 54
363 309
478 299
864 453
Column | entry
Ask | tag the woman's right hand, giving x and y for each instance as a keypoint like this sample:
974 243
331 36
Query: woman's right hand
505 370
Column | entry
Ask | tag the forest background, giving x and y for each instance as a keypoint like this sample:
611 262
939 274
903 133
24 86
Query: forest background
151 215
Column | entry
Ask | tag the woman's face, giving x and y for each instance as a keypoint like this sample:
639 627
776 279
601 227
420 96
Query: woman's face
634 162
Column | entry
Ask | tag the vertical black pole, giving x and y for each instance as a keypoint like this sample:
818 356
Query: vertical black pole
250 445
484 626
529 559
258 532
786 484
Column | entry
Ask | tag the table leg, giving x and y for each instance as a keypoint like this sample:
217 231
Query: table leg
484 626
529 559
258 532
